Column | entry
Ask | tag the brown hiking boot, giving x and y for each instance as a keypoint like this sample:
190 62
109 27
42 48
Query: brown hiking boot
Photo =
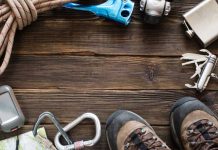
194 126
126 130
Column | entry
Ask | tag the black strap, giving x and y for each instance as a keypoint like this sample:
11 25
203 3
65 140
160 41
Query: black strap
17 143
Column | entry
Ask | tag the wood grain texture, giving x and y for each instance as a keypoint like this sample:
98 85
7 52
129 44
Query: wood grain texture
68 104
85 72
71 62
78 33
83 132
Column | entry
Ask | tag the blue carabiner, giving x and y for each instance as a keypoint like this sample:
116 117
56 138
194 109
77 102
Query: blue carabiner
117 10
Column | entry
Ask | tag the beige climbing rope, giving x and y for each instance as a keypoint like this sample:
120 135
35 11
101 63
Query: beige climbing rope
18 14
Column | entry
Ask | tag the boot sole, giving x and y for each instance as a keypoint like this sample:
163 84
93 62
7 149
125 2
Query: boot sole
116 114
176 138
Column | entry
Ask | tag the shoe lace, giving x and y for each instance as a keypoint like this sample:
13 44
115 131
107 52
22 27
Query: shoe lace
203 135
141 139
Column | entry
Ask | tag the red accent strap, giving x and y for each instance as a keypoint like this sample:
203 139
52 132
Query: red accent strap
78 145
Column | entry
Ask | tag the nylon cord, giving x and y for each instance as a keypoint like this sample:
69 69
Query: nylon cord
17 14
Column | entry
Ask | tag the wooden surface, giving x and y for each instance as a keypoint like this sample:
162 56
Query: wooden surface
70 62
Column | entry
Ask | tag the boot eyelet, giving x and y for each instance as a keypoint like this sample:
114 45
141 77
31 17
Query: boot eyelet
190 131
164 146
155 138
143 130
210 123
126 146
192 143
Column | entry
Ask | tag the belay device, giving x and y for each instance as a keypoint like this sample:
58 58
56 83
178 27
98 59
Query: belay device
116 10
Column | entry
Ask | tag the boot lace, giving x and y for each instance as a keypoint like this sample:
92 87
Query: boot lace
141 139
202 135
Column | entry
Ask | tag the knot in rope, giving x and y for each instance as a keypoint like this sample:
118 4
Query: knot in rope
24 12
18 14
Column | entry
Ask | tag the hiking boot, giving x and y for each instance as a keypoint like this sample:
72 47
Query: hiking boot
126 130
193 125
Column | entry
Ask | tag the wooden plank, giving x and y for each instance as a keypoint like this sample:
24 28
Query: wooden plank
82 38
76 33
98 73
84 132
86 129
68 104
71 62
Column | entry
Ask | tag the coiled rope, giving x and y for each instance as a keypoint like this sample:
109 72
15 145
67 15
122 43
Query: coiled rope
18 14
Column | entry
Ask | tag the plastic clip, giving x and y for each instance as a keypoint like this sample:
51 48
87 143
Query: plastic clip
117 10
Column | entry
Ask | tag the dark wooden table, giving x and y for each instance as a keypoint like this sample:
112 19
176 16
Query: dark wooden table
71 62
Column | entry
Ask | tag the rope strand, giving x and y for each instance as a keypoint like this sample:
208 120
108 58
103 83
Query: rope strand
19 14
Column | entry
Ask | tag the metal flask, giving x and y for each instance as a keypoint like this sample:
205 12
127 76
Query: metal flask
202 22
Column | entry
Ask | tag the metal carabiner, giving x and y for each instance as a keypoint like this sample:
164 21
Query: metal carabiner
80 144
56 123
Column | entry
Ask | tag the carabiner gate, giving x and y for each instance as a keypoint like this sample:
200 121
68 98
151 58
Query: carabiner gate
56 123
80 144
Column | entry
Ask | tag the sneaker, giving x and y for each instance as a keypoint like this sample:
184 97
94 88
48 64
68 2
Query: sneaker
126 130
193 125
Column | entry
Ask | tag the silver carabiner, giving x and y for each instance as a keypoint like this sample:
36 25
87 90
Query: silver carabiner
80 144
56 123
